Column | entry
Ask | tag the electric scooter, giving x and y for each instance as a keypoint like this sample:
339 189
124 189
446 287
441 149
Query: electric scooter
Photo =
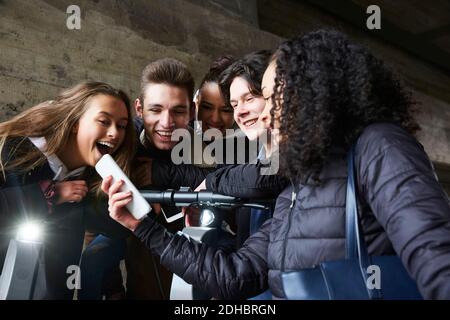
211 229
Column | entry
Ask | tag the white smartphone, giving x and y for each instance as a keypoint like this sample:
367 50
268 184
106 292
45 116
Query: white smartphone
171 214
138 207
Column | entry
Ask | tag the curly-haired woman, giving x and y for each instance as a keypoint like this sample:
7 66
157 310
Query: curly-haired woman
325 94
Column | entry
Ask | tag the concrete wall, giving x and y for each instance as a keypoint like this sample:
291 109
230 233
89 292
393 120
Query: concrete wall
244 10
39 55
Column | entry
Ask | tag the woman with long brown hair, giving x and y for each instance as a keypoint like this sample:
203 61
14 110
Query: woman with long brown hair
47 157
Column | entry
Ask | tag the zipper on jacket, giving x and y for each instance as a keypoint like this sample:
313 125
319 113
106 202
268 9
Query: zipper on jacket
291 208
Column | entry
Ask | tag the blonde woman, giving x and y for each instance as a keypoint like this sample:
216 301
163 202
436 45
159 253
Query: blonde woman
47 157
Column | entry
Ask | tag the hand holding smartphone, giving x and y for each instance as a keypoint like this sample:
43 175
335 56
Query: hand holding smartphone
138 207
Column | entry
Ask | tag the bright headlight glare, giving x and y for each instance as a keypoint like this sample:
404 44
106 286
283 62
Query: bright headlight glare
30 231
207 217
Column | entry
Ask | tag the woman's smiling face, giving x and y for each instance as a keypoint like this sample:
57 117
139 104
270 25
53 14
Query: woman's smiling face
101 129
212 109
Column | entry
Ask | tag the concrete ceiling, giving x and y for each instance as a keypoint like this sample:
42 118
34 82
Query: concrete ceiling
420 27
423 18
428 21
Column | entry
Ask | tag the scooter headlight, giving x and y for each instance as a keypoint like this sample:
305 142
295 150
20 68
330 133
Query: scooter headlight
207 217
211 217
30 231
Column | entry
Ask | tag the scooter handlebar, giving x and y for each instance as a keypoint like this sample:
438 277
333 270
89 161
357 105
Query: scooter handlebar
198 198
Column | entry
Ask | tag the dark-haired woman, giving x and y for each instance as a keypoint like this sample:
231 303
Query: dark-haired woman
213 111
327 94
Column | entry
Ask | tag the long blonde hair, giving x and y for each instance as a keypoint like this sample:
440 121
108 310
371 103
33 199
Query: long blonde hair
54 120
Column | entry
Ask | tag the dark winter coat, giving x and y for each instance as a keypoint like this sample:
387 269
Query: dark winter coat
404 211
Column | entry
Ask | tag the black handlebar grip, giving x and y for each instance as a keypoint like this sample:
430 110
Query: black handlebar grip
172 197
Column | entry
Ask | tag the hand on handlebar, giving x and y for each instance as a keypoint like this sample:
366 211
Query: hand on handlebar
191 216
201 186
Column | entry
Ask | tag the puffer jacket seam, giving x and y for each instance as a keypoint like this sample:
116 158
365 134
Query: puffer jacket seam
381 187
409 205
324 207
380 154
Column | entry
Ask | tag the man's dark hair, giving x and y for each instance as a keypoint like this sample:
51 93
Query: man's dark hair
251 67
168 71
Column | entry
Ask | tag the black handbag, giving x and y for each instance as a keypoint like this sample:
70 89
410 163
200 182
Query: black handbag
355 277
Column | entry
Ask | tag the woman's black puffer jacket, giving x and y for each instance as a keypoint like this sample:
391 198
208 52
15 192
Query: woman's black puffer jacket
405 211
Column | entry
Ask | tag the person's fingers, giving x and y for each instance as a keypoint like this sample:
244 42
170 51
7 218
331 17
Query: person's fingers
120 204
115 187
81 193
120 196
191 216
75 193
106 183
190 211
201 186
80 189
186 216
117 198
156 208
70 185
75 198
84 190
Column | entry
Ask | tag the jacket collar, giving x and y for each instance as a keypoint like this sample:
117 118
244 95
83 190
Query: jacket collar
58 167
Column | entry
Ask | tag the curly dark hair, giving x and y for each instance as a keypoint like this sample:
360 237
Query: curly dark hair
331 89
